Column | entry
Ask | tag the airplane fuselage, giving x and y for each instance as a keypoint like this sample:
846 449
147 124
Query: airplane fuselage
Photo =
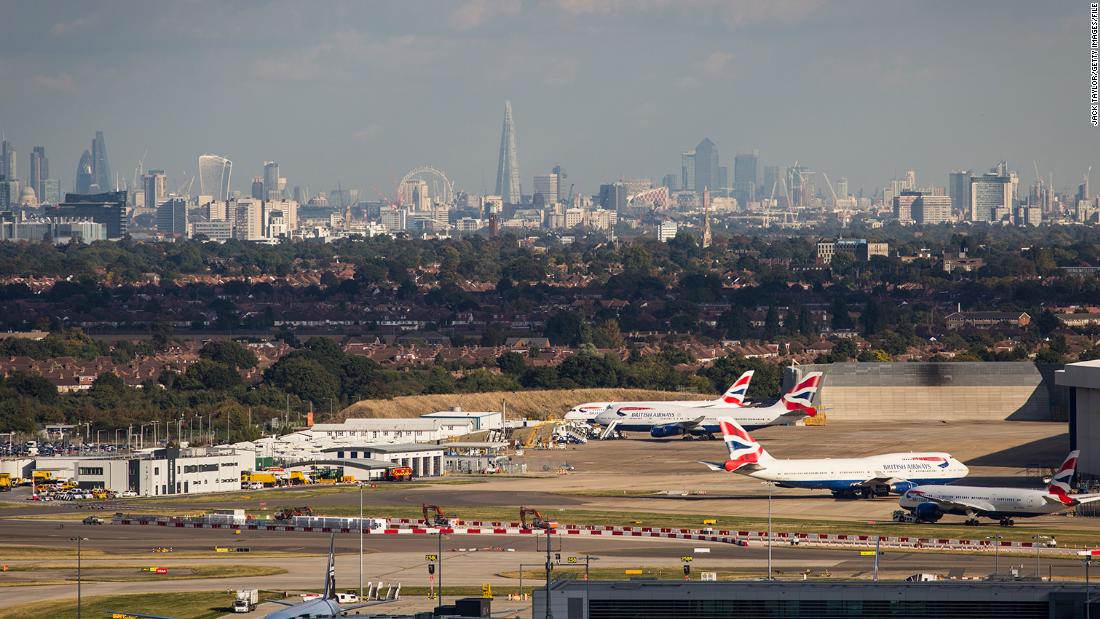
644 416
994 502
840 474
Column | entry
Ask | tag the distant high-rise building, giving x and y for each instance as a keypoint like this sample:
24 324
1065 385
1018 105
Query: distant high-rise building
842 188
958 187
687 171
990 194
706 165
746 174
546 188
271 179
214 176
39 171
671 181
8 169
172 216
85 174
508 164
51 191
248 218
258 187
101 169
108 208
155 185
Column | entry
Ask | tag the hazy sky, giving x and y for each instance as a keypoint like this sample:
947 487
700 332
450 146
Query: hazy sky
360 92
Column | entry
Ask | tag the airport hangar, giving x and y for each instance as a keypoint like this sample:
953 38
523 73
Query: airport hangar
1083 381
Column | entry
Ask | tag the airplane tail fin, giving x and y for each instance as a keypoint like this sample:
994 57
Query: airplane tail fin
1060 482
743 449
330 574
735 395
801 397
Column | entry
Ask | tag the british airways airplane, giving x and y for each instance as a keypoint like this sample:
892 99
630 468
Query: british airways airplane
665 419
734 396
930 503
846 477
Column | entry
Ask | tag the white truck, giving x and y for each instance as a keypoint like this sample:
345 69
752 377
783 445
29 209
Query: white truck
246 601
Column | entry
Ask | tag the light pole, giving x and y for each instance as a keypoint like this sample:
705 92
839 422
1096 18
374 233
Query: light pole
1038 539
771 488
191 429
78 600
439 559
360 541
1088 598
996 554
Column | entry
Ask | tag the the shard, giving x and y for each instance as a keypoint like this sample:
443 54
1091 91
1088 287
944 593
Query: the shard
508 168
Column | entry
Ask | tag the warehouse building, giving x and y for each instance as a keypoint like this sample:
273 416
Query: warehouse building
974 391
160 472
1083 381
479 420
424 460
390 430
570 599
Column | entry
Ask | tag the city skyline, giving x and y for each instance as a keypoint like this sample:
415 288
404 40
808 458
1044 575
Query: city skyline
682 72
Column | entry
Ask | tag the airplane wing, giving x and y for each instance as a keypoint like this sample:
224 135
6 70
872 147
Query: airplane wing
687 425
284 602
714 466
355 606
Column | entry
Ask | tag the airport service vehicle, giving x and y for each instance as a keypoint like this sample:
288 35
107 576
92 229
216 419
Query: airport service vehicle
865 477
399 473
537 521
662 419
92 520
434 516
5 482
286 513
246 601
733 397
930 503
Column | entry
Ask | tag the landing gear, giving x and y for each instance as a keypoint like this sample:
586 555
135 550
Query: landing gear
1007 522
972 522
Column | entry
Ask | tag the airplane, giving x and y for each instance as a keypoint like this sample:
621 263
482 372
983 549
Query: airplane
666 419
865 477
324 606
930 503
734 396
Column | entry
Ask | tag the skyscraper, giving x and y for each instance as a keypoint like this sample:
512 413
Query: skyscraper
706 165
156 189
958 187
85 174
271 179
7 161
172 217
547 186
39 171
687 170
101 169
214 173
746 176
258 188
990 194
508 165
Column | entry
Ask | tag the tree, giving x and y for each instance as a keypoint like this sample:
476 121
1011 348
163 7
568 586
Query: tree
841 319
210 375
771 324
844 350
735 324
871 318
34 386
512 363
1046 322
229 352
806 322
565 329
305 378
607 335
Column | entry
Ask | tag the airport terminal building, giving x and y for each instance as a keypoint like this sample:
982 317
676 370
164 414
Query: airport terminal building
572 599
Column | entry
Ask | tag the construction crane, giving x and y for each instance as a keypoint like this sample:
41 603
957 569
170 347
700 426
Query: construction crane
434 516
537 521
827 182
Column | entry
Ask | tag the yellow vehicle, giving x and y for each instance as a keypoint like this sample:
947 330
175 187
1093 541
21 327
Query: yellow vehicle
347 479
69 485
99 494
43 477
325 482
298 478
5 482
267 479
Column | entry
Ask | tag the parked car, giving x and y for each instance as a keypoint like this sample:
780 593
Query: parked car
93 520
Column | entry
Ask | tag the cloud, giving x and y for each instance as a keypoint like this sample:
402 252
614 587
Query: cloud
733 14
62 82
473 14
715 64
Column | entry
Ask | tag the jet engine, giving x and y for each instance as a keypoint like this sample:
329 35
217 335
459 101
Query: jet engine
928 512
669 429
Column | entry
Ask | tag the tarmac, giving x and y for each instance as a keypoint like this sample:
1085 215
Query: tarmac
1001 453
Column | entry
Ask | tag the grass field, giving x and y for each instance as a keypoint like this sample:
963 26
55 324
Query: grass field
194 605
534 404
131 573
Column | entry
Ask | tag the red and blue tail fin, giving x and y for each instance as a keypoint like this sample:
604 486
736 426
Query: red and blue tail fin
743 449
801 397
735 395
1060 482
